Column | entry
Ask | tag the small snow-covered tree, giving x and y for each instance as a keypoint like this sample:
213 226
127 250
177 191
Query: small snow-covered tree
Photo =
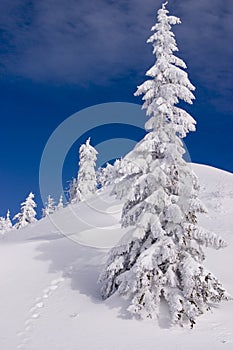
163 255
27 214
2 225
60 203
110 174
86 175
50 207
8 221
72 190
5 223
104 175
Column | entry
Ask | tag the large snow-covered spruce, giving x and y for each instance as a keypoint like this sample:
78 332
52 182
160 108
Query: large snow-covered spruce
27 214
86 175
163 255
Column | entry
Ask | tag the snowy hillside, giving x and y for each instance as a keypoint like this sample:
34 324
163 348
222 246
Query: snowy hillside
49 297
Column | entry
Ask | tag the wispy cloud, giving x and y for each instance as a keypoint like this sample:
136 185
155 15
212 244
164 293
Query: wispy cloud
74 40
79 41
205 39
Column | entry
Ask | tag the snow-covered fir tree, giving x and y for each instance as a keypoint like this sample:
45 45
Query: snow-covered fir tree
72 190
50 207
127 170
109 174
162 256
27 214
60 203
87 183
8 221
5 223
104 175
2 224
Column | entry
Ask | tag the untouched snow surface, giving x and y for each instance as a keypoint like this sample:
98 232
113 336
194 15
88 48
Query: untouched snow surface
49 297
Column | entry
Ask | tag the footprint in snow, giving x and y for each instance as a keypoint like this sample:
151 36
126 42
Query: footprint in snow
223 335
35 311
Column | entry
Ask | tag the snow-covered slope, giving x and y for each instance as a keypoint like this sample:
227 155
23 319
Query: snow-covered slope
49 297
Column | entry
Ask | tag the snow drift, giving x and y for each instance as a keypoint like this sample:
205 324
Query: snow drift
49 297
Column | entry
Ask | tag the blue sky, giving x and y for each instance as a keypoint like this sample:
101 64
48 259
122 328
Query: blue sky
58 57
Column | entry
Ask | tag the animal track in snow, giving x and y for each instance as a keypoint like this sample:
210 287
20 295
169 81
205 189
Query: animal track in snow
37 306
35 311
222 335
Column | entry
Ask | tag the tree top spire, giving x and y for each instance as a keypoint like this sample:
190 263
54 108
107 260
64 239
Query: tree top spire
88 141
164 5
